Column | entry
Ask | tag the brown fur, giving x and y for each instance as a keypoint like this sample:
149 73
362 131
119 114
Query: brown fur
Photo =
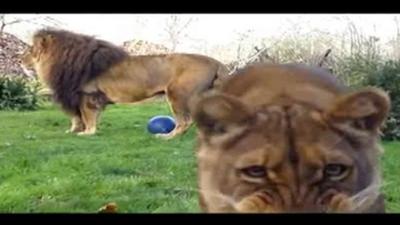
85 74
269 140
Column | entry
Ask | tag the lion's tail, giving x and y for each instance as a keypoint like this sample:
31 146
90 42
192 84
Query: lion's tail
222 74
213 85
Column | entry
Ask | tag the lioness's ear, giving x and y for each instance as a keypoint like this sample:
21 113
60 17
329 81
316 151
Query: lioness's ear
366 109
215 114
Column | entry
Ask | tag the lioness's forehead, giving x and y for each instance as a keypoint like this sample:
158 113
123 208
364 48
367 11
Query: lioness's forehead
290 131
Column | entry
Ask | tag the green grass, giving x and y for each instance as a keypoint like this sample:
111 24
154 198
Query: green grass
391 173
42 169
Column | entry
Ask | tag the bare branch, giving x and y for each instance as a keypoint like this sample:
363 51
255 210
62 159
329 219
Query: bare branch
2 25
324 57
174 28
184 26
38 20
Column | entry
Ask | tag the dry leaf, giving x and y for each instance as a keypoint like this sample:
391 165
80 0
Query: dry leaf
109 208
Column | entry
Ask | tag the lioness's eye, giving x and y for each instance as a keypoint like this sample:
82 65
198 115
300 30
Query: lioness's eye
336 171
254 171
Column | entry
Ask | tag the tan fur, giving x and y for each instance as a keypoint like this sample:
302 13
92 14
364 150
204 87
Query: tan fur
289 138
132 79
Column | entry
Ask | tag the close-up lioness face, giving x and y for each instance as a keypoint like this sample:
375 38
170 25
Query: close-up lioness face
268 143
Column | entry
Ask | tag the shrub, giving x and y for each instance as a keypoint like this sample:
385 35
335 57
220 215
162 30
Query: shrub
387 77
18 93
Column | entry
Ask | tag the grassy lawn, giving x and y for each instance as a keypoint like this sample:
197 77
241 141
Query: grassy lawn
44 170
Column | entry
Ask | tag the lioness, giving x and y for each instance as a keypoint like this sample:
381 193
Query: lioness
85 74
289 138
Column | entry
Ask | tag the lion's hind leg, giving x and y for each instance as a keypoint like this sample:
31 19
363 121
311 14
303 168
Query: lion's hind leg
177 99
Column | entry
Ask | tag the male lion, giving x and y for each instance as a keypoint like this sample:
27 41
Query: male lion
289 138
85 74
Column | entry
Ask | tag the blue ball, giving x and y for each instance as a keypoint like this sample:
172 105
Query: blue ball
161 124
